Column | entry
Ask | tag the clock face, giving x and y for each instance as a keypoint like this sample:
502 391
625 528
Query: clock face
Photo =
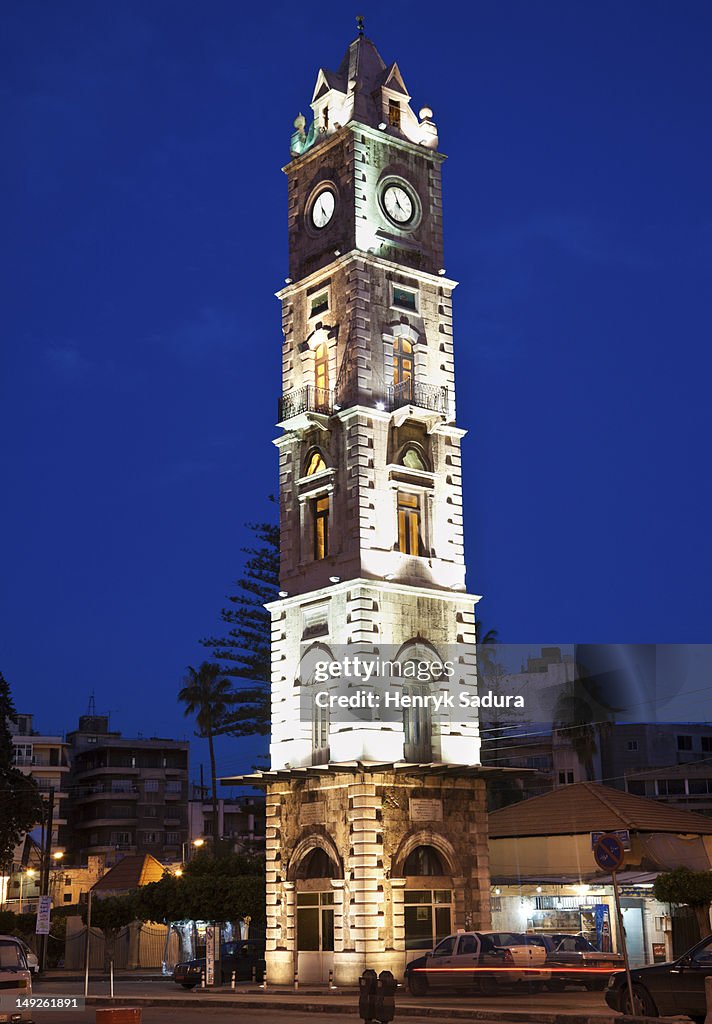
398 204
323 208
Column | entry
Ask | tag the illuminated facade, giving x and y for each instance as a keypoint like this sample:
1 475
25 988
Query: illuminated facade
376 830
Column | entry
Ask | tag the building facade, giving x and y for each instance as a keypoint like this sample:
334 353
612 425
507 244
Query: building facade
46 760
128 795
241 821
376 834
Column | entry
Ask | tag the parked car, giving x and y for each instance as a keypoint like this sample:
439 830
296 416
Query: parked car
241 956
576 961
32 961
666 989
15 978
483 960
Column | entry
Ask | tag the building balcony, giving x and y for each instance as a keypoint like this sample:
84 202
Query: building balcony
107 769
424 396
303 400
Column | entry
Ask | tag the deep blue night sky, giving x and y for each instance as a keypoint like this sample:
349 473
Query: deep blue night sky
144 216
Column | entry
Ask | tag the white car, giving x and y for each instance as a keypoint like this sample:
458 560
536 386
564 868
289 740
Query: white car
32 961
15 980
483 960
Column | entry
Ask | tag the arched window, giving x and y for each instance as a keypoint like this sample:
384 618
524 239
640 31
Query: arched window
315 463
402 365
412 458
317 864
321 370
424 860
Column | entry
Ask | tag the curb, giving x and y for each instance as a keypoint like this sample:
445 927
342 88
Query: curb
455 1013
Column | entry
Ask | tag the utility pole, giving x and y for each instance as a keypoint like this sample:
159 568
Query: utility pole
44 875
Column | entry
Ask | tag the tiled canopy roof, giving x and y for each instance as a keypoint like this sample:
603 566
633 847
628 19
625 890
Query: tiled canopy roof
588 807
130 873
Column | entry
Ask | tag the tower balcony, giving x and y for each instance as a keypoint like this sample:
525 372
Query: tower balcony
429 397
306 399
425 396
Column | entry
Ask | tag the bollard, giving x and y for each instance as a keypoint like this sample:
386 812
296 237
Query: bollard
254 974
232 980
367 987
331 979
296 980
386 997
111 978
202 979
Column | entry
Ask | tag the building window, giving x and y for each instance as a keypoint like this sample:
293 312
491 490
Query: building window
632 744
67 897
670 787
636 787
707 744
417 729
394 113
428 917
566 778
413 458
319 303
403 369
151 837
684 742
315 463
326 118
22 754
321 370
151 786
321 527
699 787
315 921
404 298
320 734
174 786
172 838
409 523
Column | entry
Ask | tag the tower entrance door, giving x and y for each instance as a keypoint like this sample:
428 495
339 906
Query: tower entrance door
315 936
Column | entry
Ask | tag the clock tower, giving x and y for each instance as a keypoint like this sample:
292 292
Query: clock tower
376 822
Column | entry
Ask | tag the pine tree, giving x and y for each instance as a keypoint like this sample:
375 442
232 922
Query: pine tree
21 806
244 652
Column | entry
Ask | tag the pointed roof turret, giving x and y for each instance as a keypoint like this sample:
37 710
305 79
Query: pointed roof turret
366 90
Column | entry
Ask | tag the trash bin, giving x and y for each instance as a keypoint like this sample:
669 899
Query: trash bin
386 997
367 989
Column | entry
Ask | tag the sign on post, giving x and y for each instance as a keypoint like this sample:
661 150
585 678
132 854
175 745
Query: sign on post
608 852
44 906
210 955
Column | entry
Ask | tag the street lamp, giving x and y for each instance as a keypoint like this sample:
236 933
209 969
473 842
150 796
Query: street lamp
197 843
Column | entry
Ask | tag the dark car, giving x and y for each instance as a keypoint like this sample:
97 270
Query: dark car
666 989
245 958
576 961
482 960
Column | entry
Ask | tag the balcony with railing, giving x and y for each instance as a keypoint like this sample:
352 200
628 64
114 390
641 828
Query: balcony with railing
429 397
425 396
306 399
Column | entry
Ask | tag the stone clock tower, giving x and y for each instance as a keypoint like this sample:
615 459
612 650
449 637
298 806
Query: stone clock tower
376 825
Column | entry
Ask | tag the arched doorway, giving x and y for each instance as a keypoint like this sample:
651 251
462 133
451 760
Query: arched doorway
427 863
314 865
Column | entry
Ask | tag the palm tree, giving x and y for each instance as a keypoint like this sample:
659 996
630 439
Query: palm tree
208 696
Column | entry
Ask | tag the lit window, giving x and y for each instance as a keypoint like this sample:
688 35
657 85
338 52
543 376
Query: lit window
319 303
408 523
315 463
394 113
402 362
321 527
412 459
321 368
404 299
